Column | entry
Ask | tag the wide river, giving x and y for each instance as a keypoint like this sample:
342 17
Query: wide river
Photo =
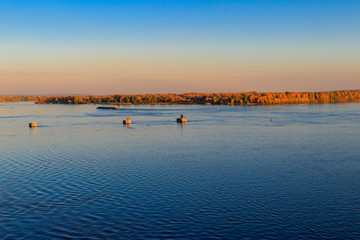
229 173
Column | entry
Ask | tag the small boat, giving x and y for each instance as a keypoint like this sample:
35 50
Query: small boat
182 119
113 108
33 125
127 121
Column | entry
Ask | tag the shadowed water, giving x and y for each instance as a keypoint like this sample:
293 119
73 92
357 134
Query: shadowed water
229 173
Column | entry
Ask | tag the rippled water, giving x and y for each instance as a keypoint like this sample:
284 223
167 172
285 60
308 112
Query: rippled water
229 173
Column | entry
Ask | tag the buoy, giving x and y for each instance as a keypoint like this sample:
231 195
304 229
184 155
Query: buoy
33 125
127 121
182 119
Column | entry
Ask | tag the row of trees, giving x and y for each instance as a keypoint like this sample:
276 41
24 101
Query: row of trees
18 99
245 98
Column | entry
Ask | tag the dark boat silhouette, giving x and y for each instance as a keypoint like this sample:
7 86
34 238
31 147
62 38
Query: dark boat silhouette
112 107
182 119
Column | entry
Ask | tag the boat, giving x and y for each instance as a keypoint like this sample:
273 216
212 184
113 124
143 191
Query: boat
33 125
127 121
112 107
182 119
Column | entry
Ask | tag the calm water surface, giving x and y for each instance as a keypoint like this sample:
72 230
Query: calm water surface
229 173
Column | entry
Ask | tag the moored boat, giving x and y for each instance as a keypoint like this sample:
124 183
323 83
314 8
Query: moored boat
127 121
112 107
182 119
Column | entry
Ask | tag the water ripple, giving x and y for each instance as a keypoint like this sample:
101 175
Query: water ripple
229 173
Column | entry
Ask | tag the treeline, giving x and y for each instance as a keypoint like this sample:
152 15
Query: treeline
18 99
245 98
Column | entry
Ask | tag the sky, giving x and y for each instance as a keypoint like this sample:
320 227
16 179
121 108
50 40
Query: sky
103 47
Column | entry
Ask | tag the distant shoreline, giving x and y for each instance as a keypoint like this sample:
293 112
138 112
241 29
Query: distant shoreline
244 98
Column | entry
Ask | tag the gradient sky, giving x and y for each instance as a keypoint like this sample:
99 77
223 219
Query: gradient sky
116 46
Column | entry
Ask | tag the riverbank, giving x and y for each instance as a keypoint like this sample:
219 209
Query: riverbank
244 98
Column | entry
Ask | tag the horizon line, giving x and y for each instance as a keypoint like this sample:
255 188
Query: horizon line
52 95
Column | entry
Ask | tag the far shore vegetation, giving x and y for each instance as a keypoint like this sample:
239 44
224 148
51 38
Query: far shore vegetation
18 99
244 98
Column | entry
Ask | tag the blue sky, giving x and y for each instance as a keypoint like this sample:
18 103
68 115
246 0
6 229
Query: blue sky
105 47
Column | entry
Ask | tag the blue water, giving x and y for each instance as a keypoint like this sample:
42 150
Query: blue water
229 173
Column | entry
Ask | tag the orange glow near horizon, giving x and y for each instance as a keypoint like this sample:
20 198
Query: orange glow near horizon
177 74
